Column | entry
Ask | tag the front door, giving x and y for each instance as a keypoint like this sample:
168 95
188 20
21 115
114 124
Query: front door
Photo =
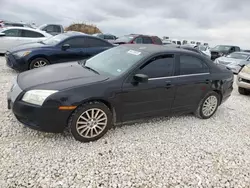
74 53
153 98
192 81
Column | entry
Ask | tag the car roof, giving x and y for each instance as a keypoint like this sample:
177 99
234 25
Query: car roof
152 48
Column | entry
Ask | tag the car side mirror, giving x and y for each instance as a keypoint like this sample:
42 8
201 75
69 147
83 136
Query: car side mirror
2 34
141 78
65 47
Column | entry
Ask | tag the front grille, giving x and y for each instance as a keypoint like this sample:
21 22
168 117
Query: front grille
245 80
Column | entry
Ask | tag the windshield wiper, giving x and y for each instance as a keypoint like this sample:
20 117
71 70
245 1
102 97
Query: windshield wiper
41 42
89 68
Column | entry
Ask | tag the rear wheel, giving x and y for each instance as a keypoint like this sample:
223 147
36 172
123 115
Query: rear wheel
243 91
208 105
90 121
38 62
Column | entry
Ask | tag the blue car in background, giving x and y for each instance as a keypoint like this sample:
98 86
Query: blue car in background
65 47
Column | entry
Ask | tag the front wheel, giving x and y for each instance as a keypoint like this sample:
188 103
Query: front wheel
38 62
208 105
90 121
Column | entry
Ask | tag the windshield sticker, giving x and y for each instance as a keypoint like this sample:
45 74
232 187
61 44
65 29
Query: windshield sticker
119 70
134 52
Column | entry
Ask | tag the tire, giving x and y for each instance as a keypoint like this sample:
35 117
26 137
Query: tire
81 126
200 111
243 91
38 62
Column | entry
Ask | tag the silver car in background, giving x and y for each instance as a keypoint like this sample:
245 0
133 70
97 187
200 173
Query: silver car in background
234 61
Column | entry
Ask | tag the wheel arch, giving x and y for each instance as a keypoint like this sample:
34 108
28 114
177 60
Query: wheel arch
106 102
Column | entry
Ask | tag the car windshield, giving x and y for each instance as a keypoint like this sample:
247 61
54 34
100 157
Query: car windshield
42 26
115 61
55 39
203 48
222 48
238 56
126 38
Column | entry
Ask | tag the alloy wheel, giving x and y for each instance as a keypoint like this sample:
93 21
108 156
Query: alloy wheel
40 63
209 105
91 123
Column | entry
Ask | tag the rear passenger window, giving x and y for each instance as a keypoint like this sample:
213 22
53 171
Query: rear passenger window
161 66
147 40
192 65
95 42
31 34
157 40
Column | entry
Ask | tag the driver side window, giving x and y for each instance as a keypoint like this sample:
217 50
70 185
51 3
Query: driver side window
12 33
160 66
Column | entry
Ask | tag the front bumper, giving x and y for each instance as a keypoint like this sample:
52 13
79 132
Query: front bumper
44 118
47 119
18 64
243 80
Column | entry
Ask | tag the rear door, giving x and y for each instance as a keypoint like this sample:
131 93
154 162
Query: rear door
153 98
192 81
10 39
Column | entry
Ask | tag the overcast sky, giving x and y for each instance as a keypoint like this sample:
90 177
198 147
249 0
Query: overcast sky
214 21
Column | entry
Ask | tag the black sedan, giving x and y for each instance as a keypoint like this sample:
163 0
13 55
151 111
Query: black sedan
70 46
121 84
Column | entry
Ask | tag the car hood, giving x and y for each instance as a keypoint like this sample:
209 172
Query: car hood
58 77
28 46
231 61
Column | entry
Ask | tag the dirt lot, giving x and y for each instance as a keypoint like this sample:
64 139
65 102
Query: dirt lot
180 151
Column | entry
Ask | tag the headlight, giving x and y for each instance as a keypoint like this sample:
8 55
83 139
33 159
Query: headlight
23 53
37 96
246 70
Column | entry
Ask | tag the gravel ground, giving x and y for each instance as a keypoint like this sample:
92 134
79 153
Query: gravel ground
168 152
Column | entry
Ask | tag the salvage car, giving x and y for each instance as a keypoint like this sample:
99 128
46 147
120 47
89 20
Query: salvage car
222 50
61 48
234 61
124 83
243 80
14 36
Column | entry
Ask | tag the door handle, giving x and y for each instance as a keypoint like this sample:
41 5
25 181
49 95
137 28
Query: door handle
168 84
207 81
